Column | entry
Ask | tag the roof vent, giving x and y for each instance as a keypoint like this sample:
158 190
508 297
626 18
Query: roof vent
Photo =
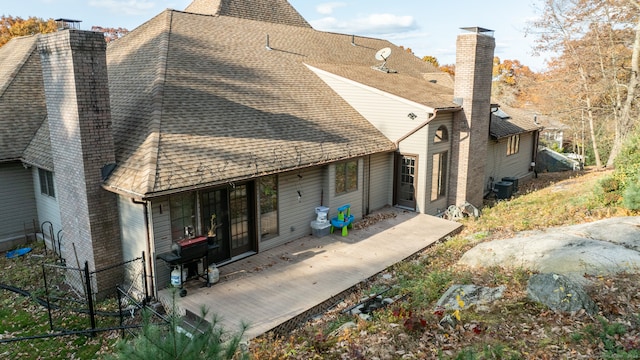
64 24
267 46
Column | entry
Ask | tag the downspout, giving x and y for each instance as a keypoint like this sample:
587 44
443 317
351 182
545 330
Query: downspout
149 254
534 153
369 186
433 116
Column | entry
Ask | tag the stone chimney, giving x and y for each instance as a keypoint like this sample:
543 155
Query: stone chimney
74 69
472 90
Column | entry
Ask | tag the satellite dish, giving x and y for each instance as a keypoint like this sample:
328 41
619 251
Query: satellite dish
383 54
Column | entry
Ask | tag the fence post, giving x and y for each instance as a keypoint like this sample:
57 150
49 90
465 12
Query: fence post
144 280
118 291
46 292
89 292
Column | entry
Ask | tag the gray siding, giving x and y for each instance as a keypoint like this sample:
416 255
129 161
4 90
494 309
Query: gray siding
133 237
48 209
354 198
500 165
161 240
381 181
295 215
132 228
18 205
437 206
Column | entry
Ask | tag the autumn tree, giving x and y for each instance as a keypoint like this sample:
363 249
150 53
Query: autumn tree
11 27
449 69
511 82
432 60
598 43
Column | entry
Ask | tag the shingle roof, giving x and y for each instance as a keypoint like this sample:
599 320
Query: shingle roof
510 121
38 152
274 11
22 103
198 100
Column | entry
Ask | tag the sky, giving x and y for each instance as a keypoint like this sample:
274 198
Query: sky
426 27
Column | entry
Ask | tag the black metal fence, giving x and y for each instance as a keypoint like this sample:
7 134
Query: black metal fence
80 299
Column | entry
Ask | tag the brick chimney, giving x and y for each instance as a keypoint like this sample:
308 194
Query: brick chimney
472 90
74 69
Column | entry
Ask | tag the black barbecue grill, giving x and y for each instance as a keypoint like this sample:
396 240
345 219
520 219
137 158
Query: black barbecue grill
187 253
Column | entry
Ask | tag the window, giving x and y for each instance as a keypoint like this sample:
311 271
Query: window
346 177
46 182
268 207
513 145
183 215
442 135
439 176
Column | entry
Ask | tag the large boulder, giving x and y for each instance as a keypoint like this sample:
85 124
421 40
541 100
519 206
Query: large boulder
559 293
603 247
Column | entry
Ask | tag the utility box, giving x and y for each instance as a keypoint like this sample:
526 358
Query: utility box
503 189
320 228
513 180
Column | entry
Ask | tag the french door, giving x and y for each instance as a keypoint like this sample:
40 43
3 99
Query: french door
406 181
234 220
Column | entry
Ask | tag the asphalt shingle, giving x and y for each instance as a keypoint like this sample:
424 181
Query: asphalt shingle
198 100
22 102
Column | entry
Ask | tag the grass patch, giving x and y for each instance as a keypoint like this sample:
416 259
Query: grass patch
22 316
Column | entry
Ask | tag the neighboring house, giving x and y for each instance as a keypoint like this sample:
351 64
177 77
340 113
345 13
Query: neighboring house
513 147
240 111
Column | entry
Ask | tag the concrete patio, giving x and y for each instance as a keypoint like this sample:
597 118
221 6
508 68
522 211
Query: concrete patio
275 286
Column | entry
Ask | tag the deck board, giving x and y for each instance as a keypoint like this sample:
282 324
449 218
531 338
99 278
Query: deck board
274 286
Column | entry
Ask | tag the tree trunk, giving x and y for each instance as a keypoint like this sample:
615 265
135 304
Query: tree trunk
592 131
626 125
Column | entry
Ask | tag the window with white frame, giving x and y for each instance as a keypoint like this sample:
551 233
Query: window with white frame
46 182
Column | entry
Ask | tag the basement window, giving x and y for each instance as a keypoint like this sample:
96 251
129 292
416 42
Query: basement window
513 145
46 182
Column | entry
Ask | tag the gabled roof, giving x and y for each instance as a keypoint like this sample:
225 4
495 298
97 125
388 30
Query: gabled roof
199 100
507 121
274 11
22 103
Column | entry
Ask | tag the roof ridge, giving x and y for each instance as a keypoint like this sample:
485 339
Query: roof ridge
155 124
272 11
